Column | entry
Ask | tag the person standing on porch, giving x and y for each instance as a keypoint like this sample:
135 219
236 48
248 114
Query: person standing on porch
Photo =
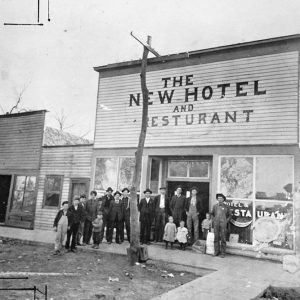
177 206
82 202
193 209
221 216
161 214
105 205
147 210
126 212
91 209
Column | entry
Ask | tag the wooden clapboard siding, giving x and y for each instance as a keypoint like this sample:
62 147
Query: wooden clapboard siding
274 119
21 137
69 161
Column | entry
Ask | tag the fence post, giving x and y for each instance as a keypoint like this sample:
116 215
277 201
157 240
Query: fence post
46 292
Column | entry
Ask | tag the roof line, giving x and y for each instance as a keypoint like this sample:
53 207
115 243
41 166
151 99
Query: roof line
182 55
60 146
23 113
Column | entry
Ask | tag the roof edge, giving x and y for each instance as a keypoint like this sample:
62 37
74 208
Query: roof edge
182 55
24 113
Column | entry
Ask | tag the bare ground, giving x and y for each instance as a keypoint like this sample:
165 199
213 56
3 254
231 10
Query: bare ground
139 282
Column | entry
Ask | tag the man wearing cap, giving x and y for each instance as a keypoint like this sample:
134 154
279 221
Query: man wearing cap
91 210
106 199
221 216
82 202
177 206
161 214
126 216
146 209
76 216
193 209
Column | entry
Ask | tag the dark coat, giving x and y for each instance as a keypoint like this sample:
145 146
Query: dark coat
91 209
59 215
146 208
177 203
76 216
126 207
116 210
84 211
199 205
167 204
105 204
221 214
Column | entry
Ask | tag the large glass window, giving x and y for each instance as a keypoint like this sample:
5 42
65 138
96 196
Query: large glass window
115 172
24 194
188 169
259 187
154 175
53 190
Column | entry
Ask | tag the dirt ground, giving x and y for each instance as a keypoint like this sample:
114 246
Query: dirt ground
280 293
139 282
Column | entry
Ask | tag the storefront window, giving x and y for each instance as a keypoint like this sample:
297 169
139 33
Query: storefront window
198 169
274 177
24 194
106 173
154 175
53 189
236 178
178 168
126 169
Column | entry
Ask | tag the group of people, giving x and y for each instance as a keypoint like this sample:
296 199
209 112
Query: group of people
94 217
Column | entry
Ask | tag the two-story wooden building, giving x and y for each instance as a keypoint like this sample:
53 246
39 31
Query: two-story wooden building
224 119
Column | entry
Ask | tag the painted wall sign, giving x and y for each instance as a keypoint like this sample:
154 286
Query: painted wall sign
244 101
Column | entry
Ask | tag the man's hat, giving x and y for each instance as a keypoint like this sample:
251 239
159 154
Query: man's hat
125 189
221 195
109 189
147 191
178 187
65 202
162 188
117 192
82 196
195 188
76 198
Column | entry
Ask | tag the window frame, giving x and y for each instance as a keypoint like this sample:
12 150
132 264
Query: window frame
60 192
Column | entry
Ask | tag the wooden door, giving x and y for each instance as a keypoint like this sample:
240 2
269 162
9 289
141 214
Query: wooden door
5 182
78 187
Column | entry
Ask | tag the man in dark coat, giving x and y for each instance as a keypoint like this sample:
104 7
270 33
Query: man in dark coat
162 212
147 210
221 216
193 208
76 215
126 217
82 202
105 205
177 206
116 215
91 209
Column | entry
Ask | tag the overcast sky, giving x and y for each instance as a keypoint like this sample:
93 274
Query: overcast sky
55 61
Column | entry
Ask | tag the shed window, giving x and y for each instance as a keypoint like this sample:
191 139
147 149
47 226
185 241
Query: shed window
53 190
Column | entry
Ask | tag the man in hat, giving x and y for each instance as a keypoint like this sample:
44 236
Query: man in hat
161 213
146 209
126 217
221 216
193 209
177 206
82 202
91 212
105 205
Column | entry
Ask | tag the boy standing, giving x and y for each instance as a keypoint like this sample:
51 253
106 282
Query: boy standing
97 227
206 225
221 215
61 226
82 202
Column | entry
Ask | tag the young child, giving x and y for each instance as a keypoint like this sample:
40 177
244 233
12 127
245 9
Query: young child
181 235
206 225
97 227
61 226
170 233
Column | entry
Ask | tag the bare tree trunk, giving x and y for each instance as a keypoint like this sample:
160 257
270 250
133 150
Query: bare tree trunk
133 251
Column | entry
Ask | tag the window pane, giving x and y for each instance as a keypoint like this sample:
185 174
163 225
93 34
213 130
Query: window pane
53 183
237 177
241 220
274 177
29 202
154 176
30 183
178 168
199 169
126 172
20 183
282 214
52 199
106 173
17 200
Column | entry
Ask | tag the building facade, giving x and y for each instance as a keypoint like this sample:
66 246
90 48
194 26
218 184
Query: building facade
224 119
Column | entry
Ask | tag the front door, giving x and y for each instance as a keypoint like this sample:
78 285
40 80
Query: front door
79 186
5 181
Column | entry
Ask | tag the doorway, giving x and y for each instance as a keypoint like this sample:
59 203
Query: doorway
78 187
5 182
